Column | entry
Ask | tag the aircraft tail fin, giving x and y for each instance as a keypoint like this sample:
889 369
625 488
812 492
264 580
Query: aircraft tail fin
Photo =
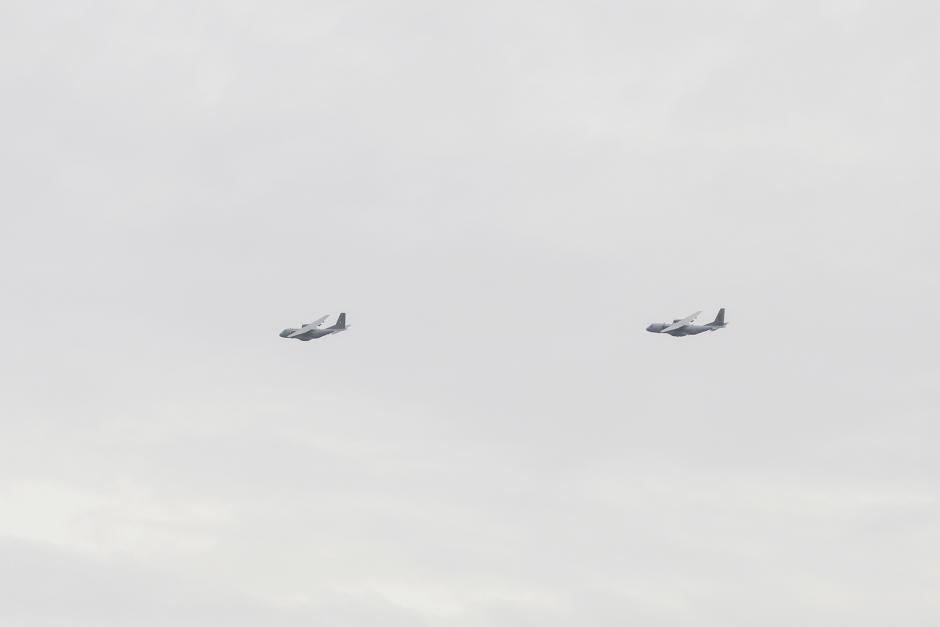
719 319
340 322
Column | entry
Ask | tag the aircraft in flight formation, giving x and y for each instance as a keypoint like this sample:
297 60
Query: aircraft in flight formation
312 330
676 328
683 327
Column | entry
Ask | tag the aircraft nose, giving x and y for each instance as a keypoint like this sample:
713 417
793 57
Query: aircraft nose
650 328
284 333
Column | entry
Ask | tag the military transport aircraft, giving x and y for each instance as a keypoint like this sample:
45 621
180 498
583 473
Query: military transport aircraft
312 330
680 328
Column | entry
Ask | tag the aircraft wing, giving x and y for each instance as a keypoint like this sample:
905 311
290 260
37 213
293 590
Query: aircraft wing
678 324
317 322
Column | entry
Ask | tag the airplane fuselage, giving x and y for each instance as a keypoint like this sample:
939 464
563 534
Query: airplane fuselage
305 335
689 329
692 329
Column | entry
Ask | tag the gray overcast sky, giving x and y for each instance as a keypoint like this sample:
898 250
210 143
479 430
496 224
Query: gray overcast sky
502 195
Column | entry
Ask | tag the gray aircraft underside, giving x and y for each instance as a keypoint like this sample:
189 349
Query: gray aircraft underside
684 326
312 330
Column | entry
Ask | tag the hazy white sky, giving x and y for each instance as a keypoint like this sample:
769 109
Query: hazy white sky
501 195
